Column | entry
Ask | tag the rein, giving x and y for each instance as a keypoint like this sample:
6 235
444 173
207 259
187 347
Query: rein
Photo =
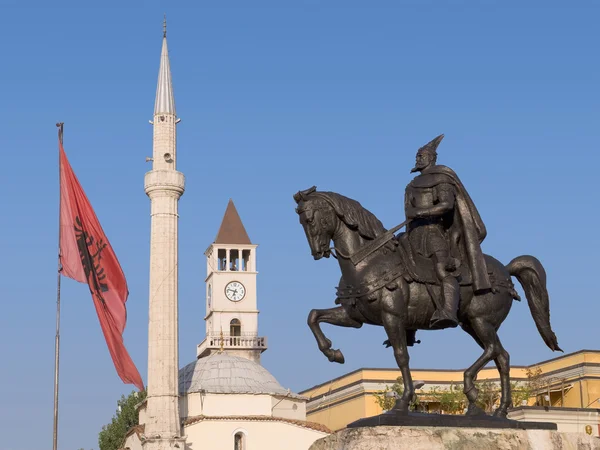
335 252
369 247
375 244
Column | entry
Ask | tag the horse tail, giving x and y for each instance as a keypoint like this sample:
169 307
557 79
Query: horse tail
532 276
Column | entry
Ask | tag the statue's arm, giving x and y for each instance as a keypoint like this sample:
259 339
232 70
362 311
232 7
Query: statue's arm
445 198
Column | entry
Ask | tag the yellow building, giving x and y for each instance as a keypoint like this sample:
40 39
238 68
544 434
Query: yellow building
570 381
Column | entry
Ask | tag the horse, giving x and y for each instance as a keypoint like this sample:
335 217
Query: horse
382 289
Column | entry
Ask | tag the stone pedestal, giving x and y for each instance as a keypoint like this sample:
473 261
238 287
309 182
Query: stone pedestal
164 444
433 438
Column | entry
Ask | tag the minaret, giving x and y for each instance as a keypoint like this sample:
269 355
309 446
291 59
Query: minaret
164 185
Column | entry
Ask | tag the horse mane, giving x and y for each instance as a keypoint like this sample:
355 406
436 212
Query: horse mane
349 211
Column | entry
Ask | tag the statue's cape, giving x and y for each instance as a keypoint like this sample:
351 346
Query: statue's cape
467 222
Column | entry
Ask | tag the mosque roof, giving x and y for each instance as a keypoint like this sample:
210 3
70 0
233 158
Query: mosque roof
221 373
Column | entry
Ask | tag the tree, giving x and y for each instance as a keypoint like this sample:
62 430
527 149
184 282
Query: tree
489 394
535 382
522 391
451 400
386 402
112 435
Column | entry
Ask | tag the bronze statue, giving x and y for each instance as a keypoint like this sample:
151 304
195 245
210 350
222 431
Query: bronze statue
433 276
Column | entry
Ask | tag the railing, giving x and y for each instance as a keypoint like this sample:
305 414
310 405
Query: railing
243 334
248 341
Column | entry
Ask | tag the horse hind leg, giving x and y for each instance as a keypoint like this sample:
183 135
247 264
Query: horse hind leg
335 316
486 336
503 364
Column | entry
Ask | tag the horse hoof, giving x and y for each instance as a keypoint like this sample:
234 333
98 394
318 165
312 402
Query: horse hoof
400 407
500 413
387 343
336 356
475 411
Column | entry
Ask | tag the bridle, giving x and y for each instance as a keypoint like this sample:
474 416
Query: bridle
334 251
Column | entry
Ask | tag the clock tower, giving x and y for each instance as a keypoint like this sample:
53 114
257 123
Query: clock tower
231 303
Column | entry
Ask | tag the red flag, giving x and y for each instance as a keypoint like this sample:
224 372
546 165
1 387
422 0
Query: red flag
87 257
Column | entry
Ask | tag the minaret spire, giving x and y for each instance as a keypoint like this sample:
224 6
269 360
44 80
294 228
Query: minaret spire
165 100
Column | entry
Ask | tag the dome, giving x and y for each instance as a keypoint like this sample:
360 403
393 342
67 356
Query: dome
221 373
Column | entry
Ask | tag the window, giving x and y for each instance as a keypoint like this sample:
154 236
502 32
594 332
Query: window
222 257
235 331
238 442
245 260
234 260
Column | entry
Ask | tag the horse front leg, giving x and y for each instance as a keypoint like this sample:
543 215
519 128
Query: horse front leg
335 316
393 317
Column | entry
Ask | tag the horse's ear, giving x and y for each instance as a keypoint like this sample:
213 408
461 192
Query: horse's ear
301 195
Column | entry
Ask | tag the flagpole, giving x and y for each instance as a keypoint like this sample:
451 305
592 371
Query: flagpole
57 339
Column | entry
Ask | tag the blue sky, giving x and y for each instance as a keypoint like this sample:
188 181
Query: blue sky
276 98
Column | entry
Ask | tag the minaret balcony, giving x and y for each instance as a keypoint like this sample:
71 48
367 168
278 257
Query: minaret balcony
164 180
221 341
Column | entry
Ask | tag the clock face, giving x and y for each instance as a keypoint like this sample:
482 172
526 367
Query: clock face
235 291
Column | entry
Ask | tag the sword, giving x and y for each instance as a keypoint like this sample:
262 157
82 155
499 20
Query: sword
376 244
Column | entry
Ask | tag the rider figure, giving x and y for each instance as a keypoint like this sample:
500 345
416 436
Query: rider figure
446 228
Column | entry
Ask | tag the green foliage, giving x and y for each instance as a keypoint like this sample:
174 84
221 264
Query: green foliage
489 394
520 392
112 435
525 390
451 400
386 403
534 382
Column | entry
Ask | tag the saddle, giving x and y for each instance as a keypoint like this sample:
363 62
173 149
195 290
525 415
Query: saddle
422 270
419 269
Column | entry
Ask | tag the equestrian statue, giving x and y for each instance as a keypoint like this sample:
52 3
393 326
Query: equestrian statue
433 276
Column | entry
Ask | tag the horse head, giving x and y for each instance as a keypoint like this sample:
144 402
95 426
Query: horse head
317 217
328 215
